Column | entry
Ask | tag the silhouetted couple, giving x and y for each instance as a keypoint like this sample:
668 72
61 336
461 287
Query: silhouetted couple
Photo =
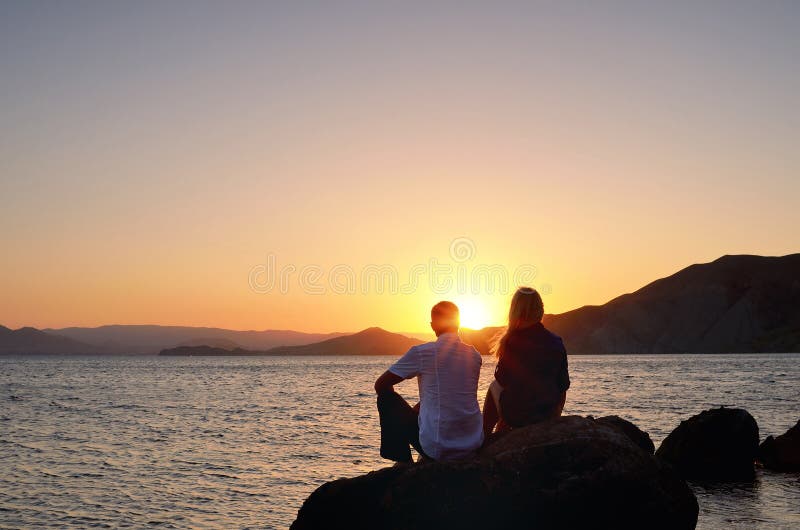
530 385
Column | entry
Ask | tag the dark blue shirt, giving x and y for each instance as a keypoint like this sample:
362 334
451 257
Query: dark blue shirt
532 371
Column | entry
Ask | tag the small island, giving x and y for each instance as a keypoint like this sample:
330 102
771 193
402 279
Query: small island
206 351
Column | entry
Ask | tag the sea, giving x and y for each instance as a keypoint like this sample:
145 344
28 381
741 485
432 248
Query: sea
240 442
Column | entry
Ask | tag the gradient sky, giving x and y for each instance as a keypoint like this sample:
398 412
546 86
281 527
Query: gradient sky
153 153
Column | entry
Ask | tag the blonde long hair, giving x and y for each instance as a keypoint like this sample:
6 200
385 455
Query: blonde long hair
526 309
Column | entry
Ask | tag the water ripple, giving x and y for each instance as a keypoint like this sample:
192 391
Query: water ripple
240 442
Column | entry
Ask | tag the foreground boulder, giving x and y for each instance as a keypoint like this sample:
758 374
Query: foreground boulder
717 444
567 472
782 453
637 436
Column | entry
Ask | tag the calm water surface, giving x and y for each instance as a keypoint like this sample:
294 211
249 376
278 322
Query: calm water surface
240 442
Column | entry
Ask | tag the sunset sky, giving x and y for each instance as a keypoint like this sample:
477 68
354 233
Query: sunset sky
155 156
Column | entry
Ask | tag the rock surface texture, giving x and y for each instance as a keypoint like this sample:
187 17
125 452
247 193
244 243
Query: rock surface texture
637 436
564 473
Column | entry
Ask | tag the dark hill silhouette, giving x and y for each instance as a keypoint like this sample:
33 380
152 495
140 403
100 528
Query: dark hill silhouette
33 341
733 304
371 341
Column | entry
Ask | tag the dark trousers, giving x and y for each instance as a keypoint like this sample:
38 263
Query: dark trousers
399 427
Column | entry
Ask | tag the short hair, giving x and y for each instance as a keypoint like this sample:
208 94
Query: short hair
445 311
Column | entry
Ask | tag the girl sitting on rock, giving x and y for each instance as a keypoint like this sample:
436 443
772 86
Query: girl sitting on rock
531 378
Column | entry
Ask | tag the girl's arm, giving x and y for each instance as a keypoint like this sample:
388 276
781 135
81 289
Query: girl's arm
490 413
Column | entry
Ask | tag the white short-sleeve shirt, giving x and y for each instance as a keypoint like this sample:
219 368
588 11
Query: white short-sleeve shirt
450 421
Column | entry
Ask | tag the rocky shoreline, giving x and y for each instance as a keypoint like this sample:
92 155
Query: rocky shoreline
573 471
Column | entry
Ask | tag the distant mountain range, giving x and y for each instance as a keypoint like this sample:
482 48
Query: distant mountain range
371 341
34 341
733 304
146 339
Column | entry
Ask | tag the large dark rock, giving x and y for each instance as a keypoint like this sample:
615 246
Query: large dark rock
637 436
567 472
717 444
782 453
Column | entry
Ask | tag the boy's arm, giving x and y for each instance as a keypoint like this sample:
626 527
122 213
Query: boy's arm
386 382
405 367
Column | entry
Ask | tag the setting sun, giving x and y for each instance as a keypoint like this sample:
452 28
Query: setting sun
475 313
